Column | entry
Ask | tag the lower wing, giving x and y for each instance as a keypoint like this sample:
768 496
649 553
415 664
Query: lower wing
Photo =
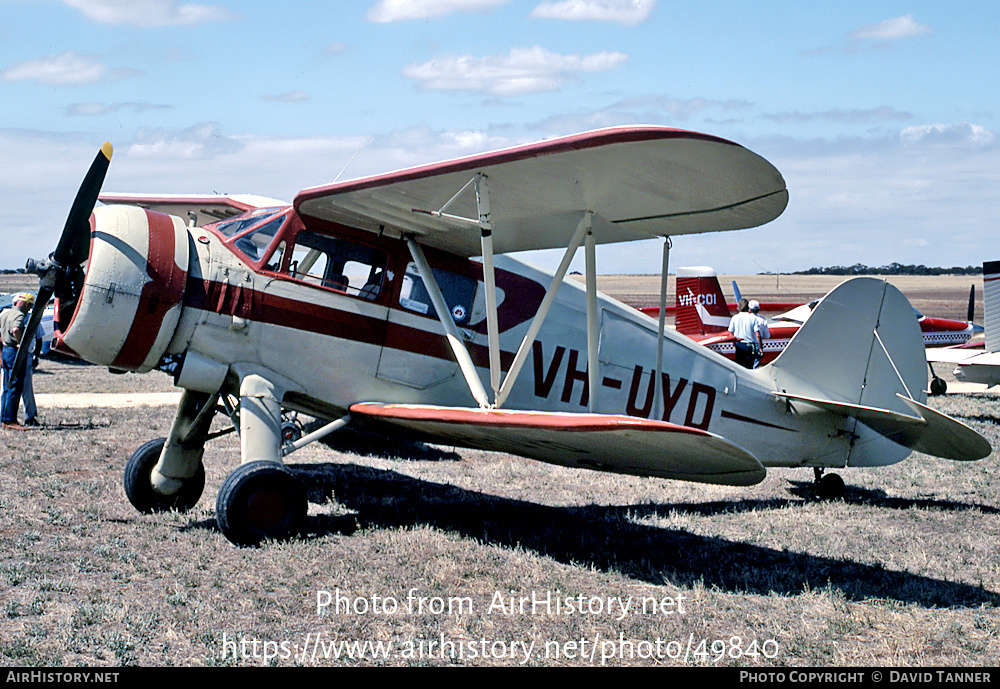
620 444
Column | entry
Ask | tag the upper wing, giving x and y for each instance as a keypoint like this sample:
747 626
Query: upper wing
640 182
622 444
203 209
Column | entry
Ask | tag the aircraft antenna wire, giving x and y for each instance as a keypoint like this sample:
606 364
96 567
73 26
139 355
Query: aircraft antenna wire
356 154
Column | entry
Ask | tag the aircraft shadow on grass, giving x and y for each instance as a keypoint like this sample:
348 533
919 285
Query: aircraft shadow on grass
608 539
370 444
876 497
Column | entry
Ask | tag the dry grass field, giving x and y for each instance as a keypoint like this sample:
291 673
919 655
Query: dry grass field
435 556
943 296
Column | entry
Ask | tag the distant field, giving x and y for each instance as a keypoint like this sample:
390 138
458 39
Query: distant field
945 296
17 282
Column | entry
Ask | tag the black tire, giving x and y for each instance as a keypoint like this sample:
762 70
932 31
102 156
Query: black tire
139 487
831 487
260 500
939 386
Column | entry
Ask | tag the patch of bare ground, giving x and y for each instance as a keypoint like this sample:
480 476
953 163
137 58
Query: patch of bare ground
443 556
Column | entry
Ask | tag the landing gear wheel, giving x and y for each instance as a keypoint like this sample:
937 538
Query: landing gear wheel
831 487
139 486
939 386
260 500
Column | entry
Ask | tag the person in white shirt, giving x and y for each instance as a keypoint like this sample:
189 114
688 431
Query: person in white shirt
750 330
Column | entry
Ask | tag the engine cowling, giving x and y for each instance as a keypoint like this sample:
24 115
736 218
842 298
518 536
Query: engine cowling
132 295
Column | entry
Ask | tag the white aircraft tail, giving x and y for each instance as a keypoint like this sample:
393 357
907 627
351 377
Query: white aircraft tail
701 306
861 356
991 304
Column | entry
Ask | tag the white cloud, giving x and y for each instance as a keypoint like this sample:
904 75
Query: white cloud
146 13
872 36
290 97
98 109
523 70
386 11
675 108
621 11
200 142
880 114
68 68
891 30
963 134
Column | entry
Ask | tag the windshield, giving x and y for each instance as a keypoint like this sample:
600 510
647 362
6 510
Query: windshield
254 242
229 228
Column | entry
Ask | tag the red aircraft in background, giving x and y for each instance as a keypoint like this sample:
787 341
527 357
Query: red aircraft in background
702 313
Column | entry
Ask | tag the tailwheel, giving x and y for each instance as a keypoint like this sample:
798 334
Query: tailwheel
829 486
260 500
938 386
139 486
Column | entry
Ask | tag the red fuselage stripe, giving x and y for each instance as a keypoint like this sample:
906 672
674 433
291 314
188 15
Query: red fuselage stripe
164 290
224 299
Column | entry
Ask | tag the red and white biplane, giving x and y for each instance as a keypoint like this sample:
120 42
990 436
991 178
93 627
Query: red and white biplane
360 304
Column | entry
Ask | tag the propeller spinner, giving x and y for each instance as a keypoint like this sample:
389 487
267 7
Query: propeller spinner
59 274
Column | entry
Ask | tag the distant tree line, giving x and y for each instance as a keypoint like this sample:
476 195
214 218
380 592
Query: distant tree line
892 269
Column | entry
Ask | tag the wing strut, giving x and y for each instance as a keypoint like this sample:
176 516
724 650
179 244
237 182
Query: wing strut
501 390
489 278
485 225
582 228
444 315
661 329
593 322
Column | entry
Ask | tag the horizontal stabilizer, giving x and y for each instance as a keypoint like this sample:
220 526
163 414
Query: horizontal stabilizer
620 444
929 431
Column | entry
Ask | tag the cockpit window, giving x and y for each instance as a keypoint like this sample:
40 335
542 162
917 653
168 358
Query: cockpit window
459 292
338 264
255 242
230 228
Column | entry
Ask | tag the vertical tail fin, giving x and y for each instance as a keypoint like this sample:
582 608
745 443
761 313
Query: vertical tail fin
860 356
701 306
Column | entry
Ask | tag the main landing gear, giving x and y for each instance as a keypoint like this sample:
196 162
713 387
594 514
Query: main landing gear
828 486
259 500
167 473
139 487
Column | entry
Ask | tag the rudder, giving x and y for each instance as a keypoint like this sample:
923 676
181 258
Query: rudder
701 305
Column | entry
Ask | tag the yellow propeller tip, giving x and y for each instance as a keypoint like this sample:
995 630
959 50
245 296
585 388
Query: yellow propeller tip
107 149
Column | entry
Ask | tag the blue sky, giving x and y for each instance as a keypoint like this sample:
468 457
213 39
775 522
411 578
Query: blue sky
882 116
